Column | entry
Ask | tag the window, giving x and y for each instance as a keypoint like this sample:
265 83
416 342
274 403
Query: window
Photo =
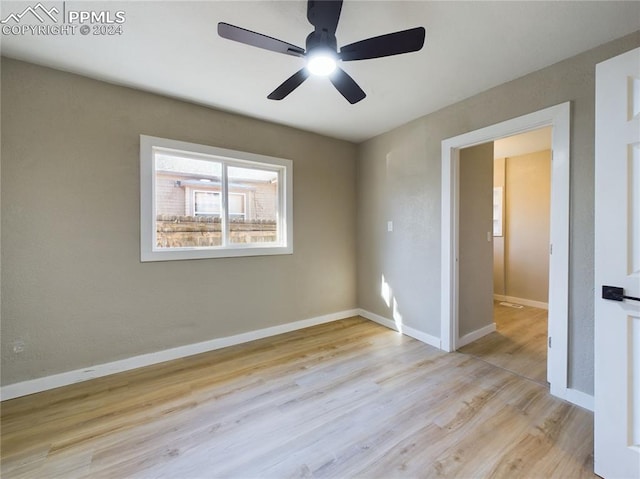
206 203
203 202
237 202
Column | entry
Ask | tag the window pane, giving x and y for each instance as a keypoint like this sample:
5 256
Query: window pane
187 201
237 205
253 205
207 203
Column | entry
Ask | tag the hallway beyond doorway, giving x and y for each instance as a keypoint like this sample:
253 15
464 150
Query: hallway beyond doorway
519 343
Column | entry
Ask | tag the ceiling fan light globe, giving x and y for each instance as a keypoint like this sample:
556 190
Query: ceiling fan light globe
321 64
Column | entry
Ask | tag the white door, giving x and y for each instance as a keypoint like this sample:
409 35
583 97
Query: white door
617 264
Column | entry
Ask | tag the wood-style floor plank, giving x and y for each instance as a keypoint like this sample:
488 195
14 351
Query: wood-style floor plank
519 343
345 399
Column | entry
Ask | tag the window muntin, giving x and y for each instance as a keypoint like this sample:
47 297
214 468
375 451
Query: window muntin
205 202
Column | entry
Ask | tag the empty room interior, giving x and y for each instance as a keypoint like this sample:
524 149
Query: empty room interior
319 239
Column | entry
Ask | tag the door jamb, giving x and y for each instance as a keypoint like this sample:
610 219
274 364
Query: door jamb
559 118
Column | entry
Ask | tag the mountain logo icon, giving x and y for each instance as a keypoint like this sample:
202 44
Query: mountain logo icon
39 11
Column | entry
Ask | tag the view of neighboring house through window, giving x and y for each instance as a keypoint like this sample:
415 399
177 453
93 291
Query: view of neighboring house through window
208 203
202 200
190 206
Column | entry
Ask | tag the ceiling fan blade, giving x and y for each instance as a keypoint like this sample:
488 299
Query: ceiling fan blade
324 14
237 34
347 86
290 84
396 43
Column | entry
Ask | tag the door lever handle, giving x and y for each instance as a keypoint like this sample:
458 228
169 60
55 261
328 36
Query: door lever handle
615 293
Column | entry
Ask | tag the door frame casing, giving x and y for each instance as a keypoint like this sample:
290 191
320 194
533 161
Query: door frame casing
559 118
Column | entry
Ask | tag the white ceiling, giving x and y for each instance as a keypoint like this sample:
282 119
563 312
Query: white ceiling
172 48
523 144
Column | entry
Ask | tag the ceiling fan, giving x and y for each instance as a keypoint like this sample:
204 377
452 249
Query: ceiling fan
321 52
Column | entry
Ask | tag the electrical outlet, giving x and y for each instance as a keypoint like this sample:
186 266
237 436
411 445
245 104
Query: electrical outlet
18 346
389 226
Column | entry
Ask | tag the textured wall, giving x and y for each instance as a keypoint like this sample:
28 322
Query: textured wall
521 255
399 179
527 221
73 287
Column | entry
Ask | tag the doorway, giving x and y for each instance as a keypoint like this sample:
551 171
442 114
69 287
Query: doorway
558 118
506 184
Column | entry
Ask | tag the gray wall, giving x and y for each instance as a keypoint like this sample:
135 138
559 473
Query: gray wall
73 287
527 226
475 261
399 179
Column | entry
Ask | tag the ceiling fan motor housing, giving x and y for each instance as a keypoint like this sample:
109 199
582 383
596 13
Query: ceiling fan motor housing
321 39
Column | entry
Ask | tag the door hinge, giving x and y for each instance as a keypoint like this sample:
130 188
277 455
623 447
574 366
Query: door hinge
549 342
551 248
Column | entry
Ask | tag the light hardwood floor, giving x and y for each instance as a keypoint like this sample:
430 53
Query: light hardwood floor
519 343
345 399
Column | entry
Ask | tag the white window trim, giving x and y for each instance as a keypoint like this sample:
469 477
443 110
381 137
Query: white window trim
148 249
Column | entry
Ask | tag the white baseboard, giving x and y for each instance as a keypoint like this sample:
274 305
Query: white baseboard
376 318
25 388
404 329
64 379
474 335
522 301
